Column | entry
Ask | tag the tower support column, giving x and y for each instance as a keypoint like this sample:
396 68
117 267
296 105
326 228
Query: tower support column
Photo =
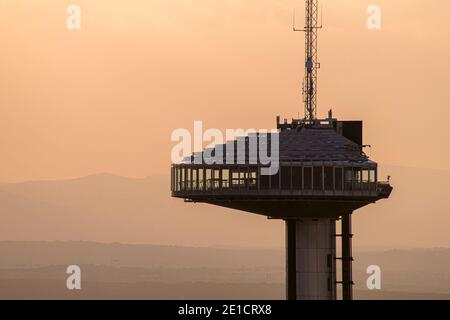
347 258
310 259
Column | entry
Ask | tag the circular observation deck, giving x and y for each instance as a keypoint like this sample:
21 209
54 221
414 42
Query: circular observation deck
317 173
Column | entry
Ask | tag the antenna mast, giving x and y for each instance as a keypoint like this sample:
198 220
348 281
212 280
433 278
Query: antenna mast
311 63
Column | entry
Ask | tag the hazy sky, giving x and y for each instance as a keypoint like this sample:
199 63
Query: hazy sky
106 98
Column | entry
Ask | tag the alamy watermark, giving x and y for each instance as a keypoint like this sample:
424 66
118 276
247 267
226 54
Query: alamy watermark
258 152
73 281
374 19
374 280
74 19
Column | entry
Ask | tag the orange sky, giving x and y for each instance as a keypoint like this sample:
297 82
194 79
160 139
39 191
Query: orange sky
106 98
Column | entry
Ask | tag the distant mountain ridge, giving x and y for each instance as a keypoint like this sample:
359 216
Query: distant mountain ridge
111 208
47 253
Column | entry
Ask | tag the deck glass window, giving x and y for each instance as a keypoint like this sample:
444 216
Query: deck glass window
338 179
179 179
208 179
216 179
372 177
243 176
296 178
307 175
225 178
235 179
174 179
201 182
357 173
275 180
318 178
265 181
348 178
328 178
286 178
194 179
252 183
365 179
183 179
188 179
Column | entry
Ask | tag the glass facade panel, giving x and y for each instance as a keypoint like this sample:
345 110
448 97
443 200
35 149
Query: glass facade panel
243 176
275 181
338 179
194 179
318 178
365 175
175 178
201 179
183 179
365 179
357 173
216 179
307 178
372 177
296 178
235 179
208 179
225 178
286 178
265 180
252 181
328 178
348 178
188 179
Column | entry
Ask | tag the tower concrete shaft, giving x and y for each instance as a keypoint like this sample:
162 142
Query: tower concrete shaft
311 259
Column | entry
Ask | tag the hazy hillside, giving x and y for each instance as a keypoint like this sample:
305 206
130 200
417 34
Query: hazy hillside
54 289
29 254
109 208
37 270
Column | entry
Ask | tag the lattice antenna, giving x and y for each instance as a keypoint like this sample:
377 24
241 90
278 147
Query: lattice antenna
311 63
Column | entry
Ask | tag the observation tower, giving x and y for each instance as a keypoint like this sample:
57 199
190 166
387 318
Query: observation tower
321 176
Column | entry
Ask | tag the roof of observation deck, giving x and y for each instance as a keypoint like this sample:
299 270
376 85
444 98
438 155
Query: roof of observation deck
316 143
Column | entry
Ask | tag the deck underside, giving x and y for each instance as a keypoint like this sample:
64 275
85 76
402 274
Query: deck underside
290 208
